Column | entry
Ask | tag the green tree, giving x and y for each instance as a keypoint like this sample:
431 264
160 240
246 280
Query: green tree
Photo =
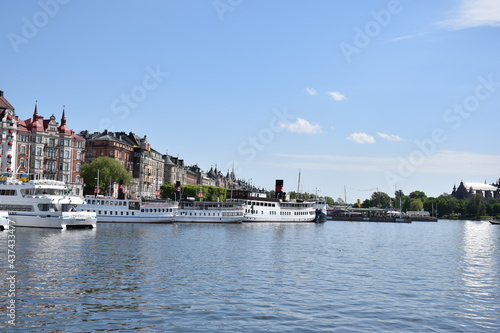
493 208
476 206
210 193
366 203
380 200
111 171
418 195
416 205
329 201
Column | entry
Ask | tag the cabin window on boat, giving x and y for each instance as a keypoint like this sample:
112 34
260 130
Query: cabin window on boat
48 207
17 208
7 192
42 191
134 205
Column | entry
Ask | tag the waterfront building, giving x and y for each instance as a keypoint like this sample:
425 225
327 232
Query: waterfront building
41 148
469 189
175 171
145 164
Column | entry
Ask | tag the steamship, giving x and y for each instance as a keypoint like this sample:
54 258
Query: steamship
260 208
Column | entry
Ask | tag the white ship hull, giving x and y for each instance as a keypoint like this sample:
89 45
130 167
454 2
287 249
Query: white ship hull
68 220
198 217
135 219
269 218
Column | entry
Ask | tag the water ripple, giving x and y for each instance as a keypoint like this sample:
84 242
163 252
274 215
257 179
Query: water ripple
336 277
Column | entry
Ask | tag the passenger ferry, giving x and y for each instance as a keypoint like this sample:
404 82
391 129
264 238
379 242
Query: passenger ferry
116 210
4 221
209 212
259 208
42 204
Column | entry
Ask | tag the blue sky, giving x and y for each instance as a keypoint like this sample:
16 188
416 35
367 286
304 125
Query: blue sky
361 95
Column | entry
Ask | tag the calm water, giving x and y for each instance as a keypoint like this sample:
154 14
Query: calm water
335 277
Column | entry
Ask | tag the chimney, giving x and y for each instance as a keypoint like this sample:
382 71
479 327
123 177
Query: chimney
1 93
279 188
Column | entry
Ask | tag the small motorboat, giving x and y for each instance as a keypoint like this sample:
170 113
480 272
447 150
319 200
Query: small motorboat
495 222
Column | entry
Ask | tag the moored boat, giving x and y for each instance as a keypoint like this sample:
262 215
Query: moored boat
367 215
116 210
191 211
43 204
260 208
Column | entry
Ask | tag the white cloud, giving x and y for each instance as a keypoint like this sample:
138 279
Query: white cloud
390 137
311 91
397 39
474 13
301 126
337 96
361 138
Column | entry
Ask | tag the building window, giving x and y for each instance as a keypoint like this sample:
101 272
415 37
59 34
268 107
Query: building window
79 155
51 166
21 162
23 149
38 164
38 151
77 167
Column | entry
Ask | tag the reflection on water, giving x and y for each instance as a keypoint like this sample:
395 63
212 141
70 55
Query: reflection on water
337 276
479 270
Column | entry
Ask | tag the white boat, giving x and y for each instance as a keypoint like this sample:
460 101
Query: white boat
4 221
43 204
130 211
259 208
209 212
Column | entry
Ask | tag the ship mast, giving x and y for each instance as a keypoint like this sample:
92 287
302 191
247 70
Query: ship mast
298 186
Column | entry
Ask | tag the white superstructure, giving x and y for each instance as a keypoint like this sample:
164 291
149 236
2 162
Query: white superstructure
43 204
209 212
130 211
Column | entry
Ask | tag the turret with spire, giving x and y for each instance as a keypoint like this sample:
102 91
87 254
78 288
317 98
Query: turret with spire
63 129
